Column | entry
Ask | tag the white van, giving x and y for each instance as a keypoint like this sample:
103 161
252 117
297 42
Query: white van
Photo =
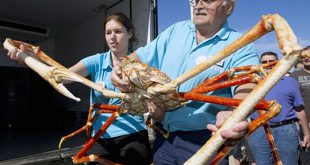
33 116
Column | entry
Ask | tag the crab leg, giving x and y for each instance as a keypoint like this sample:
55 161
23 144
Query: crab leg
259 30
229 74
271 141
103 109
237 80
290 48
110 94
94 158
85 81
272 110
57 73
86 127
45 71
93 140
253 78
255 68
262 104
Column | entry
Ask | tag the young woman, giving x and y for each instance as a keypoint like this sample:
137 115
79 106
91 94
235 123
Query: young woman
126 140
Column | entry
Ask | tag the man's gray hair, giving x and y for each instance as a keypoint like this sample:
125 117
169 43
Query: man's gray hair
225 2
233 7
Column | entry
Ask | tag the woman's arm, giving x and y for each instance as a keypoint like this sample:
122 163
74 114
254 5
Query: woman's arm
78 68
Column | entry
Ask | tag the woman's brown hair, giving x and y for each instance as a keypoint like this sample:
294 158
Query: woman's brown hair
125 21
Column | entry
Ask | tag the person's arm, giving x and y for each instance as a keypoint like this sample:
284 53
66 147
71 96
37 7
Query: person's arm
80 69
239 129
304 123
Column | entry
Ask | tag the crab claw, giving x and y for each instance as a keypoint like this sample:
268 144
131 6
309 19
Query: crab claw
56 78
62 89
53 75
53 72
63 74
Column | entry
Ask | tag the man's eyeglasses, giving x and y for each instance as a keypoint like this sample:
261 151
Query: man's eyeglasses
193 3
305 59
267 61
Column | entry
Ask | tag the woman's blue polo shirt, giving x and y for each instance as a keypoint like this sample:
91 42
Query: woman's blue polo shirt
99 67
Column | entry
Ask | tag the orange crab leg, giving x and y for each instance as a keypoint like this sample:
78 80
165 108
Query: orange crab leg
103 108
92 141
90 120
252 78
235 102
271 141
85 127
263 104
253 69
219 157
107 107
212 80
229 73
94 158
221 82
272 110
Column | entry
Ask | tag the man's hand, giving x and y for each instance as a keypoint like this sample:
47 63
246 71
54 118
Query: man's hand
117 81
306 142
236 132
156 111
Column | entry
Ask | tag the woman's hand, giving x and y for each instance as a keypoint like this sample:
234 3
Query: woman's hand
13 53
117 81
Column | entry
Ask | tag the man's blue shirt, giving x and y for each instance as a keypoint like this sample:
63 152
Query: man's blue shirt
175 51
287 93
99 67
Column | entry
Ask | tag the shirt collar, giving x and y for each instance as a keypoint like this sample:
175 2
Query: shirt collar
223 33
107 61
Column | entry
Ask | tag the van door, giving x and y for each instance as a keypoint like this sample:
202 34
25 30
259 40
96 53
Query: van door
33 115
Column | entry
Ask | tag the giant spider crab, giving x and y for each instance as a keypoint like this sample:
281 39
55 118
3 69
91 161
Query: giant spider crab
151 84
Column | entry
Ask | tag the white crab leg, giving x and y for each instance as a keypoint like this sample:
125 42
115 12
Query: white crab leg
255 33
42 69
291 49
85 81
56 74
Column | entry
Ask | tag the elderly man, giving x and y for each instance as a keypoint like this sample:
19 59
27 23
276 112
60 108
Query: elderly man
178 49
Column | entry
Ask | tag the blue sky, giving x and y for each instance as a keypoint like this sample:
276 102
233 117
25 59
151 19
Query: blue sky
247 13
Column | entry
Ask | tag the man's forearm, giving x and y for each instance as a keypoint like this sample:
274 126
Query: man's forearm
303 122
